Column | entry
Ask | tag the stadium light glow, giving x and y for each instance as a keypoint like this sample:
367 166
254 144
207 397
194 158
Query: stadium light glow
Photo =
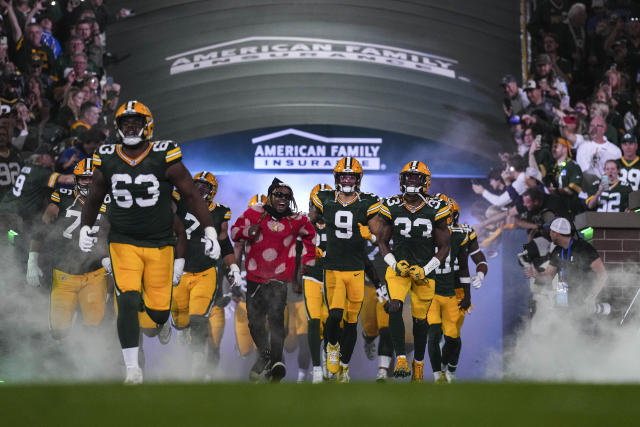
587 233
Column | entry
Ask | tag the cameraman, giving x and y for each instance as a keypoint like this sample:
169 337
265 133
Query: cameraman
581 273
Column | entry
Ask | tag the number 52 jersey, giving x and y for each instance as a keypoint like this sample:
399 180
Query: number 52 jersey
140 211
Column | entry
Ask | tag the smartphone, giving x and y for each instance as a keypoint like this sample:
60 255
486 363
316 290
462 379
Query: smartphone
570 120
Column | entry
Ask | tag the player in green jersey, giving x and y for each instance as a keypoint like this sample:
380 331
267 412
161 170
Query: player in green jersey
140 174
418 226
346 212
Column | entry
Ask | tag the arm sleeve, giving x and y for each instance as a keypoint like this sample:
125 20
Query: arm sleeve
239 230
501 200
307 234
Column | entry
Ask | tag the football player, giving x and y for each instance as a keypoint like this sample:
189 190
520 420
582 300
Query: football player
78 278
446 309
346 212
193 296
313 290
629 164
418 226
10 162
140 174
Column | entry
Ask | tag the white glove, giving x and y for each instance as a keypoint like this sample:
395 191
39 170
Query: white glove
211 245
86 241
178 267
234 275
382 293
476 281
34 273
106 264
630 122
431 265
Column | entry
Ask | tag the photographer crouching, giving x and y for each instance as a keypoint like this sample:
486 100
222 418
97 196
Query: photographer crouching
581 272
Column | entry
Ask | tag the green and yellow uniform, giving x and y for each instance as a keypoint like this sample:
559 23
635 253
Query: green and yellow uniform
413 242
30 192
78 277
10 166
194 295
444 308
314 278
615 199
630 172
567 174
343 261
141 238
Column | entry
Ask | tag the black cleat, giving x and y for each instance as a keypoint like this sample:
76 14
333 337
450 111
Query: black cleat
278 371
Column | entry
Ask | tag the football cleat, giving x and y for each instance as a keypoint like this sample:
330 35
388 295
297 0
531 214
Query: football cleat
402 367
164 336
417 375
134 109
333 358
134 376
369 346
450 376
278 371
382 375
317 375
415 178
439 377
348 166
343 374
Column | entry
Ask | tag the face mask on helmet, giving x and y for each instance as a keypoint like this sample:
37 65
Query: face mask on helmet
346 185
131 129
206 184
413 183
83 173
347 166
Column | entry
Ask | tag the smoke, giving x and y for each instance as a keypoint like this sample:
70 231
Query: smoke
576 346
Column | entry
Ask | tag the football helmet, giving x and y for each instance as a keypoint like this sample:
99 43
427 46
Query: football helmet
415 167
210 179
258 198
319 187
84 169
348 166
134 109
453 207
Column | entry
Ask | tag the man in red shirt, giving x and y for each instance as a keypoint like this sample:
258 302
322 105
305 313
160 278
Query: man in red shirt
270 232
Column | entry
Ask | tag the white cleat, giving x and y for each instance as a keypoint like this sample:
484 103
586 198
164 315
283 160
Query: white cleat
134 376
317 375
450 376
164 336
382 375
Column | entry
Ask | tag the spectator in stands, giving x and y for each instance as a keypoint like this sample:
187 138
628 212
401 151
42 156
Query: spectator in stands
21 130
515 99
70 111
89 116
565 178
538 208
612 195
36 100
573 41
87 144
629 164
514 179
74 46
594 152
32 44
556 86
46 23
560 66
539 110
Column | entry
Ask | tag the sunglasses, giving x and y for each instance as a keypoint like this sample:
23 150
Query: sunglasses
281 195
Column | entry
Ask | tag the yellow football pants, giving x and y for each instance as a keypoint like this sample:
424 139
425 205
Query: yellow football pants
445 310
243 336
216 325
421 292
193 296
68 290
345 290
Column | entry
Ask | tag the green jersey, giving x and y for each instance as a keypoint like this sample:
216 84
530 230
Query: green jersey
67 254
567 174
630 172
140 212
10 166
196 261
446 274
615 199
317 271
30 192
345 245
412 234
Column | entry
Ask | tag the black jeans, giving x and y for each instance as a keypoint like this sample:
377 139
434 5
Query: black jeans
267 299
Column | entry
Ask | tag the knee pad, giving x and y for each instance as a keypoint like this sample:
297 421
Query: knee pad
393 306
336 314
451 341
129 301
158 316
435 330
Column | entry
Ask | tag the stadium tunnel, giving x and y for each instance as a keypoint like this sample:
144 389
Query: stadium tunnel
425 72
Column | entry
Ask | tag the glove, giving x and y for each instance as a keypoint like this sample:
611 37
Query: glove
402 268
106 264
382 293
178 267
319 253
86 240
476 281
223 301
366 233
416 272
234 276
34 273
211 245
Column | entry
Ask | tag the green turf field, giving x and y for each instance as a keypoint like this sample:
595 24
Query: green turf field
233 404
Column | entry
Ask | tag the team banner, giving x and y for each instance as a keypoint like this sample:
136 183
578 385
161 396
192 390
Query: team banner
318 148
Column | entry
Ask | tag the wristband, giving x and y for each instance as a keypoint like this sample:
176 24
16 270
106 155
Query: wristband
234 268
431 265
390 259
465 280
